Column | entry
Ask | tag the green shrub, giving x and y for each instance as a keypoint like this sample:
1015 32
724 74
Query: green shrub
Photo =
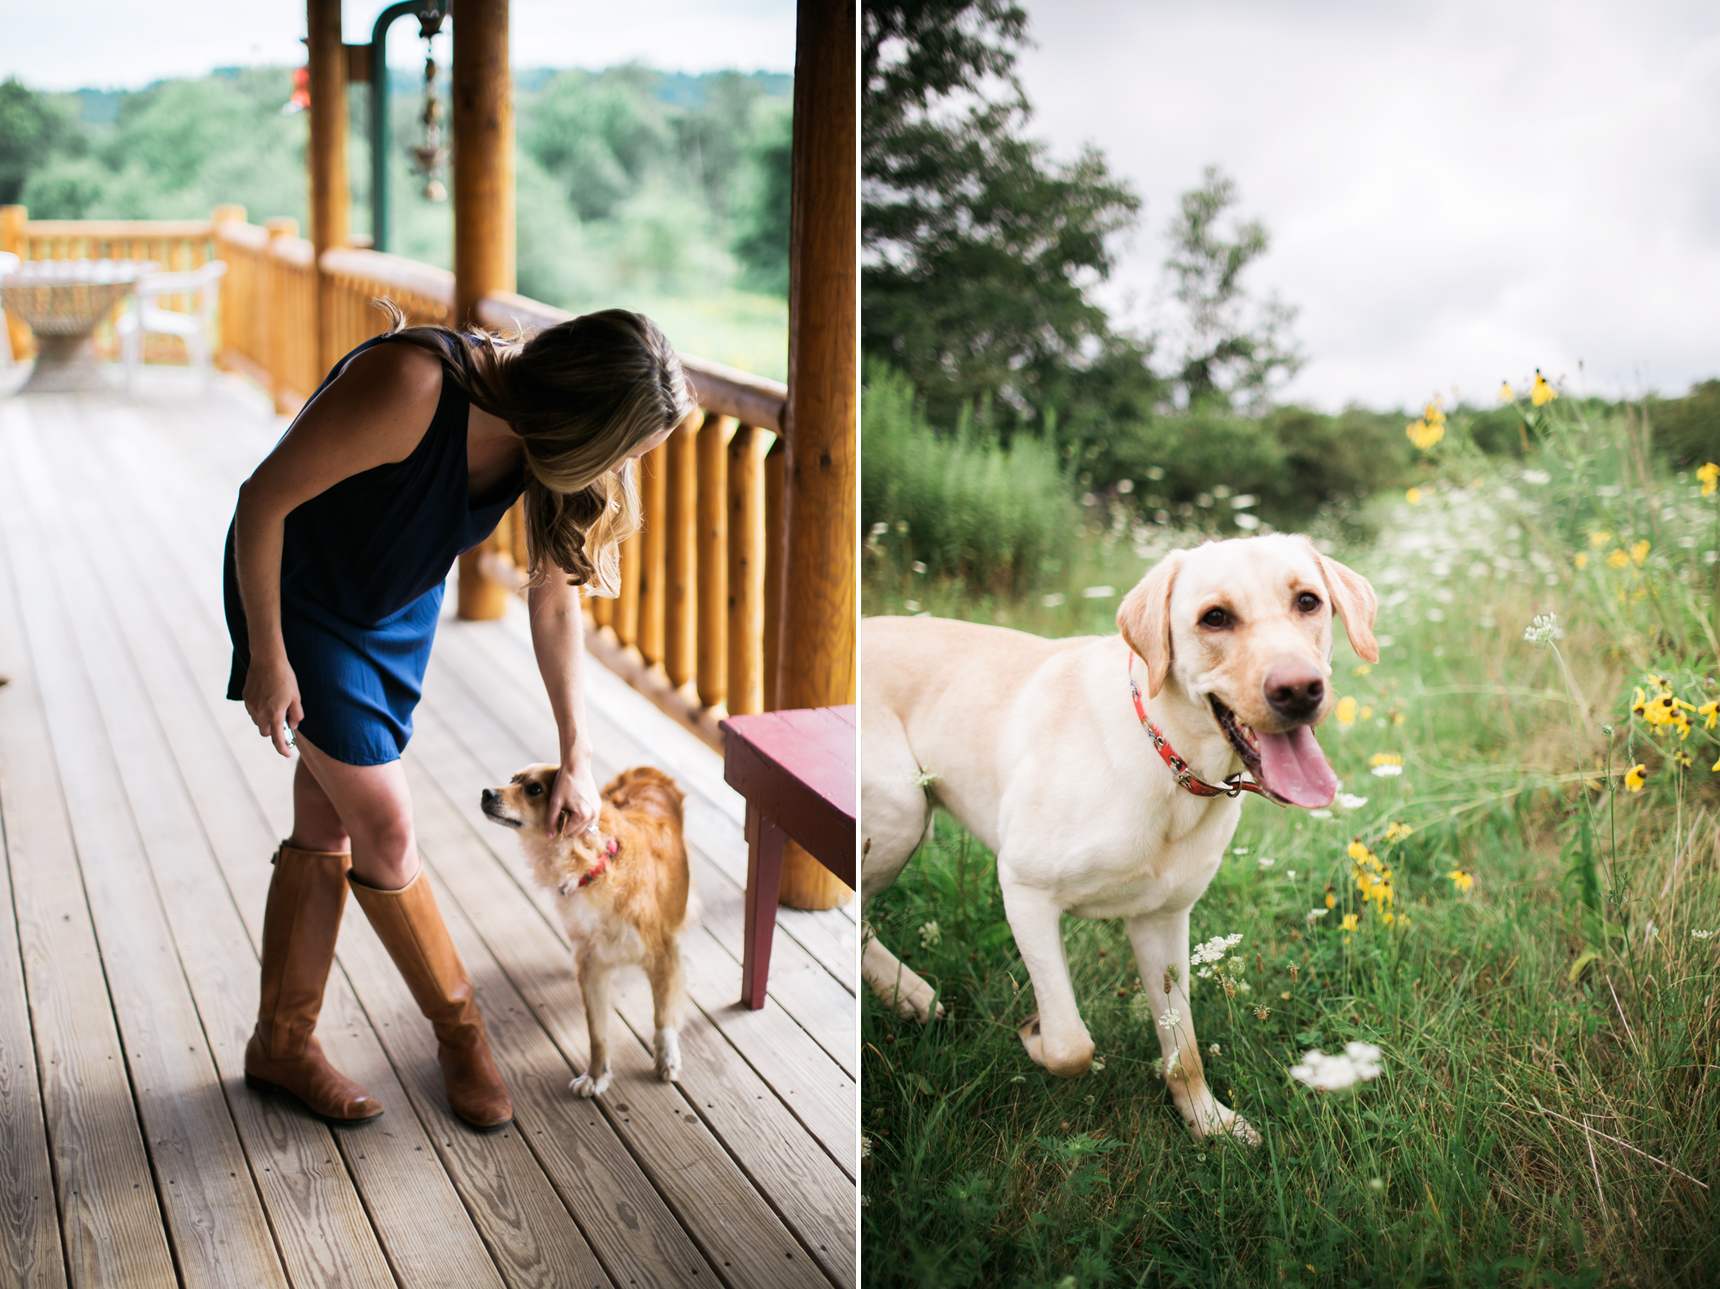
1688 429
959 504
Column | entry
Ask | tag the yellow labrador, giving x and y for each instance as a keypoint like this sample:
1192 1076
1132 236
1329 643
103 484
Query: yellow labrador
1038 748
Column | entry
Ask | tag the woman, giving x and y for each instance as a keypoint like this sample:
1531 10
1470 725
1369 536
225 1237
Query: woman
409 453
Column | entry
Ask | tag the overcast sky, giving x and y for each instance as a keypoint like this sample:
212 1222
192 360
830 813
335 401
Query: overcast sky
70 44
1457 192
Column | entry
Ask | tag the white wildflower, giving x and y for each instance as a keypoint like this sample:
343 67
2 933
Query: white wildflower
930 936
1239 850
1386 771
1171 1019
1213 1050
925 779
1321 814
912 606
1018 1078
1700 935
1360 1063
1141 1007
1098 1064
1098 592
1264 862
917 566
1158 1067
1291 874
865 1146
1544 629
1314 915
1053 601
1348 802
1536 476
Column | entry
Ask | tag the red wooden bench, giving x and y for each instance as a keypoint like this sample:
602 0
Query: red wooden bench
798 772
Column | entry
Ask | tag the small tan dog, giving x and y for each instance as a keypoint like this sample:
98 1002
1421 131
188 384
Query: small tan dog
623 890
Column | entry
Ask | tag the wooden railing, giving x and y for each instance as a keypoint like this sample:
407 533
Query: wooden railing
696 623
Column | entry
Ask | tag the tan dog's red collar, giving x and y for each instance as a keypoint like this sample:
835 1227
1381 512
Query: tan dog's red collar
602 865
1186 778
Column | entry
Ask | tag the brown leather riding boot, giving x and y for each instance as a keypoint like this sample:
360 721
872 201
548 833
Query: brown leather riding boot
411 929
306 896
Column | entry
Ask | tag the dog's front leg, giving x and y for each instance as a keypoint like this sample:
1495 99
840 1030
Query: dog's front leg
1161 952
1055 1038
594 989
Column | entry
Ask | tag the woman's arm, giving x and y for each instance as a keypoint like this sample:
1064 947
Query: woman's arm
558 639
373 413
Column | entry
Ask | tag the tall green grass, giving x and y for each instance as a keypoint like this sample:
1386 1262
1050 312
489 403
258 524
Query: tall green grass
1550 1108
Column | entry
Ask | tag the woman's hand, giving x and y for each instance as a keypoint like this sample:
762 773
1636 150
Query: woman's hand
573 801
272 700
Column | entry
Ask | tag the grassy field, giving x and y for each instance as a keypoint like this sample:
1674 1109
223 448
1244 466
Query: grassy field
1537 973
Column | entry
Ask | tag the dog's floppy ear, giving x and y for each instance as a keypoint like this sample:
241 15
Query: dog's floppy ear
1354 599
1145 620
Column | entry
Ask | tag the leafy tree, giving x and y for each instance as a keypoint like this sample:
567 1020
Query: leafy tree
762 219
33 127
978 247
1233 349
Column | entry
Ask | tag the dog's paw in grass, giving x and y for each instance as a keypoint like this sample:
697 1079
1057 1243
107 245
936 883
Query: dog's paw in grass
586 1086
1225 1123
668 1048
1073 1063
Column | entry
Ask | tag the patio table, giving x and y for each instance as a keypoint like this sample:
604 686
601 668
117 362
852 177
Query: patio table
64 301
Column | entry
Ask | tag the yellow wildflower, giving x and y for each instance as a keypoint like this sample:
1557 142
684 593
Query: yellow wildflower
1715 768
1461 880
1388 919
1360 853
1346 711
1385 758
1349 922
1425 435
1582 560
1365 713
1396 832
1363 668
1635 776
1413 496
1542 392
1331 900
1435 413
1639 552
1506 393
1617 559
1711 711
1600 537
1710 476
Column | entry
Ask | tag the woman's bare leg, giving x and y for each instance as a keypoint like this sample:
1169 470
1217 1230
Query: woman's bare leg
370 805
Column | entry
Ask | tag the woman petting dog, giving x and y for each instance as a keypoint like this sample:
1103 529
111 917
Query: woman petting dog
409 453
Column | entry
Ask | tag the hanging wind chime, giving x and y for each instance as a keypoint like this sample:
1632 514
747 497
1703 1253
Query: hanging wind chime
429 156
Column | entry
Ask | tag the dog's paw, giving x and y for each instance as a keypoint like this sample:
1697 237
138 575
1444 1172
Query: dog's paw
1225 1123
587 1086
668 1049
1067 1065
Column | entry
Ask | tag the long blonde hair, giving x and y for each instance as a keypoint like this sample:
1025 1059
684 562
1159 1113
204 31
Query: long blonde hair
581 395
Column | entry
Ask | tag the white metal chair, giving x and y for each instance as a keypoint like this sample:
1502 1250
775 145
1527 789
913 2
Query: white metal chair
8 263
148 315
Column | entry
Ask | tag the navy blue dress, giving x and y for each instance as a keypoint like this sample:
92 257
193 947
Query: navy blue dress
362 571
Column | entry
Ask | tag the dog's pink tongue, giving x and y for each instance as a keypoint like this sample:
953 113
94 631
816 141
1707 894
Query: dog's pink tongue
1293 766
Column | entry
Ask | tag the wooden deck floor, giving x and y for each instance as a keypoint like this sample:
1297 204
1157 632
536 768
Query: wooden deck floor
139 810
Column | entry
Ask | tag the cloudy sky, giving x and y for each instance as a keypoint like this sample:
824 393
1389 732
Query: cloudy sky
70 44
1457 192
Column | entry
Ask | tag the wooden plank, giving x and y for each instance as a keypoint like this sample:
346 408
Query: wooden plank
820 1093
711 1195
424 1229
211 1207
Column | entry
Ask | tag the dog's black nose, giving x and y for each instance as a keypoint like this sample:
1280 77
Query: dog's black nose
490 794
1295 689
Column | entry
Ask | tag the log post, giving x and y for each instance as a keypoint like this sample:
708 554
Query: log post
326 154
815 659
713 577
680 625
746 573
654 551
273 312
481 86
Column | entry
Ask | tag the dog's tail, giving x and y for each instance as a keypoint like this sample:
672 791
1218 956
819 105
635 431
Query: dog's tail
645 787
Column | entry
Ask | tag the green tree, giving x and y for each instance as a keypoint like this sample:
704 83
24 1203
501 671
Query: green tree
33 128
1231 348
978 247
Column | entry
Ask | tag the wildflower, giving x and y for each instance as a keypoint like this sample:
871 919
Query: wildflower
1292 874
1711 711
918 566
1639 552
1386 765
1617 559
1320 814
1158 1067
1346 801
1315 915
912 606
865 1146
1214 949
1710 476
1264 862
1634 777
1413 496
1424 434
1360 1063
1700 935
1537 477
1141 1008
1461 880
1545 628
879 529
930 936
1582 560
1599 537
1506 394
1396 832
1363 668
1360 853
1262 1012
1346 711
1542 392
1213 1050
1098 1064
1052 601
925 779
1349 922
1171 1019
1019 1078
1331 900
1365 714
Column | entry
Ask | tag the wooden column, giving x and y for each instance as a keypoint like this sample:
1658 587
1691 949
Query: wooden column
815 657
713 579
330 201
681 584
745 582
12 221
483 141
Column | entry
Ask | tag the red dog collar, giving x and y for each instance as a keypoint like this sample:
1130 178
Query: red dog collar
602 864
1186 778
